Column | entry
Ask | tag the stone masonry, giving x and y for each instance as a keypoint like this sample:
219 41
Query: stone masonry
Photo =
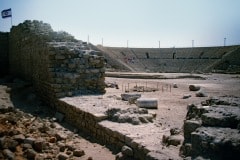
3 53
57 64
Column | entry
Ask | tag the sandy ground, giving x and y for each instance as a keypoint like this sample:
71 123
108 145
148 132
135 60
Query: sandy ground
171 112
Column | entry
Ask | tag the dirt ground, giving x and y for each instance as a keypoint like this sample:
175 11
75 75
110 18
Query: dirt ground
171 112
172 108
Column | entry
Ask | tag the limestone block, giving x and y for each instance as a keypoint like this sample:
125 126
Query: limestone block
127 96
189 127
149 103
193 87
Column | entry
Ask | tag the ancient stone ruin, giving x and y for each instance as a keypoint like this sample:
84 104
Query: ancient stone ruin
60 67
54 62
211 129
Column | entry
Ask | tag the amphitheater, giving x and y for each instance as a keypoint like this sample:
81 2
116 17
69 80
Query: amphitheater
99 90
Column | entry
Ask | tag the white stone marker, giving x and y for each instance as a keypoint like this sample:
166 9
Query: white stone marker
148 103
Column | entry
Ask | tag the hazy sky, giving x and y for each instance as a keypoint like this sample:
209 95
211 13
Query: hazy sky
143 23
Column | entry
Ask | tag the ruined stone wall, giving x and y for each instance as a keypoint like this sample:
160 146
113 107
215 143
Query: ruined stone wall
57 64
3 53
92 124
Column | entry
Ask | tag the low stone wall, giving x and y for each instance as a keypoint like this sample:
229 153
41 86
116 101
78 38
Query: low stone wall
3 53
92 124
57 64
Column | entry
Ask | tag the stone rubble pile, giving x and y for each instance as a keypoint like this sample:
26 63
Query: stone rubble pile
135 116
25 136
212 129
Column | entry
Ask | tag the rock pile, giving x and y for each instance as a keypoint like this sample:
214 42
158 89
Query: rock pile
211 130
25 136
135 116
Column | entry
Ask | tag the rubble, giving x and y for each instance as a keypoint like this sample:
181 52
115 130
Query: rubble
135 116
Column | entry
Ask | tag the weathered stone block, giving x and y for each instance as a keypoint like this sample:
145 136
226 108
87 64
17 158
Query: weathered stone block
127 96
188 127
149 103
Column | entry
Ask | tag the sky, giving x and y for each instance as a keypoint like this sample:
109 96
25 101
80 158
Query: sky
135 23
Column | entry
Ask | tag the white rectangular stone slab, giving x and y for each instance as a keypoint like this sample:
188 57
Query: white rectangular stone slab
149 103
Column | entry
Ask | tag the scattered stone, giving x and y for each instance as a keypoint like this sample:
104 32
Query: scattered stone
100 116
52 139
9 154
158 156
134 116
111 85
89 158
186 96
8 143
78 153
194 87
31 154
127 96
30 140
61 136
39 145
175 85
175 131
26 146
175 140
62 156
127 151
201 94
20 137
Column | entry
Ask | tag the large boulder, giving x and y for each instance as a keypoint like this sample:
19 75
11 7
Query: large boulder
193 87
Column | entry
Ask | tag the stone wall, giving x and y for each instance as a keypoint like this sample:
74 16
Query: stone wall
212 129
57 64
93 124
3 53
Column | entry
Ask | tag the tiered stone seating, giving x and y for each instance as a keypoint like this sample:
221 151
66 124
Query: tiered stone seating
170 59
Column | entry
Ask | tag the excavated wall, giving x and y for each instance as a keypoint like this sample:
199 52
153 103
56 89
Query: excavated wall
3 53
54 62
